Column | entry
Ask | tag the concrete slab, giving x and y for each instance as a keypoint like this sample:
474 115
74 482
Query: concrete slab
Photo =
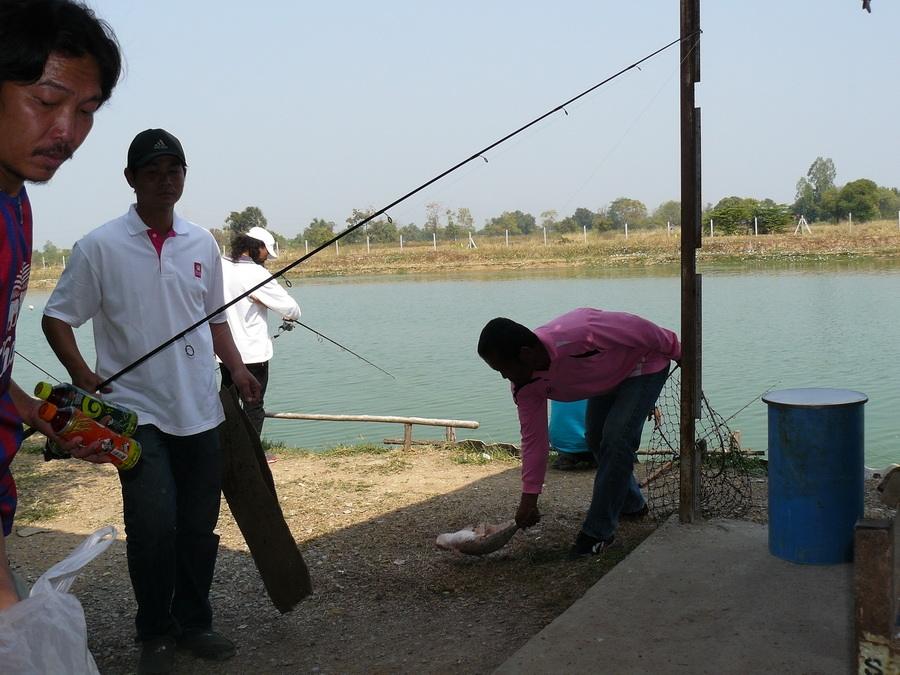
703 598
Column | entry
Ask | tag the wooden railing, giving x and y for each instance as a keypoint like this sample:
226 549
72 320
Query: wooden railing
407 422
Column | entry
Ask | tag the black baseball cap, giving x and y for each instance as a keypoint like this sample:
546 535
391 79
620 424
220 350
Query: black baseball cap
153 143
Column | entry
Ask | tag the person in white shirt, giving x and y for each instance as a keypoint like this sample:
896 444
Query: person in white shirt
243 269
141 279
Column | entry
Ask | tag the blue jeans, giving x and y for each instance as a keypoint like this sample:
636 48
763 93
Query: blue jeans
613 426
171 503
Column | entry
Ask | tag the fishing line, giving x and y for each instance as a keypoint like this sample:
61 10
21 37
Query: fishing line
286 326
25 358
477 155
630 128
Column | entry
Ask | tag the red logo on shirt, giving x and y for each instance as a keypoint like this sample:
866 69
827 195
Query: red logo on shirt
198 270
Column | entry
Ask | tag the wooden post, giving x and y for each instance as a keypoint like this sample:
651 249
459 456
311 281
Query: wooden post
689 495
873 563
407 436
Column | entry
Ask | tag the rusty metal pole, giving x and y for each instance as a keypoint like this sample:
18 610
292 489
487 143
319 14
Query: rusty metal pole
689 502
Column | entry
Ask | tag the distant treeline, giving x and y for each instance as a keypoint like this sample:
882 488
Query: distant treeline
817 199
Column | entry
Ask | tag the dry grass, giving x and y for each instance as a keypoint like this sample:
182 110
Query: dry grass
878 239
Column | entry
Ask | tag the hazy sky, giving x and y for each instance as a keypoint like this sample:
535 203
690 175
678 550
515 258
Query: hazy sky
310 109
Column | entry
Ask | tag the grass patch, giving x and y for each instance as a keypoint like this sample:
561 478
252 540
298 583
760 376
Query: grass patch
36 502
355 450
480 454
393 465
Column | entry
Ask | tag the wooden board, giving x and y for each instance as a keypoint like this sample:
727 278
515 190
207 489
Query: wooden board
249 489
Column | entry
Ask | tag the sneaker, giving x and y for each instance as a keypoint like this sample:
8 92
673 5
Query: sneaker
586 545
207 644
635 515
157 656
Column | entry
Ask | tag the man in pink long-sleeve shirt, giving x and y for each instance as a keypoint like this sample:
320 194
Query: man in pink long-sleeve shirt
619 362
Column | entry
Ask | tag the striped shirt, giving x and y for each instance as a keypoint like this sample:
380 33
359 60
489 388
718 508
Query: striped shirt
15 266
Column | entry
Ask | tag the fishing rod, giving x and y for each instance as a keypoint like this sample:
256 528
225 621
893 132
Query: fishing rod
477 155
286 326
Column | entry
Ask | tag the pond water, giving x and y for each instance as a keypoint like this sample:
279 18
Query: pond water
830 325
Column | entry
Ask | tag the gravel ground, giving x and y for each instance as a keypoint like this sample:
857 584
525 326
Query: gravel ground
385 599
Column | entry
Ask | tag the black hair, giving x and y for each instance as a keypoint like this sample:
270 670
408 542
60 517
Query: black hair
32 30
241 242
504 338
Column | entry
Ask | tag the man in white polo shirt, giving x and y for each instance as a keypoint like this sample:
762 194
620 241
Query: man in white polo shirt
142 279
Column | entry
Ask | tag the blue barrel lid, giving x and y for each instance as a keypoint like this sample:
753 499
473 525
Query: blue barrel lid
814 397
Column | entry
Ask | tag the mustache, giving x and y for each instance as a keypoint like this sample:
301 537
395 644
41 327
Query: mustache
62 151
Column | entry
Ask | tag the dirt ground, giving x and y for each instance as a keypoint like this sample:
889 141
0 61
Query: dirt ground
385 599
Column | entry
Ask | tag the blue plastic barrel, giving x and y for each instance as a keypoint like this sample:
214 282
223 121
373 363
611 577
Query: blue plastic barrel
816 473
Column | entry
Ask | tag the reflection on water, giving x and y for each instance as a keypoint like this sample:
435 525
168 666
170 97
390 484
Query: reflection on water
809 325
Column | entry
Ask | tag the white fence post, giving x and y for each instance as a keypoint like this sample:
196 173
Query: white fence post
306 245
368 250
64 262
434 240
507 233
710 227
584 228
545 235
401 242
668 228
850 215
755 226
337 249
626 230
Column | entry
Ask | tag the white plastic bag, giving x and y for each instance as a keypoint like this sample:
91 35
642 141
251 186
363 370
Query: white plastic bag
46 632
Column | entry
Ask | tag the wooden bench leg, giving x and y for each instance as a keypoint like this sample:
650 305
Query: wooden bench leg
407 436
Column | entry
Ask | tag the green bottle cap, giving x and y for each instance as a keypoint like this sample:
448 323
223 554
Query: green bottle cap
43 389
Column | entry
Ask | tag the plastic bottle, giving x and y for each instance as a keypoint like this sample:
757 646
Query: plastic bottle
70 422
122 420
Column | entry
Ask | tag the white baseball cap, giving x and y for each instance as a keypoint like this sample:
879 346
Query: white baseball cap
265 237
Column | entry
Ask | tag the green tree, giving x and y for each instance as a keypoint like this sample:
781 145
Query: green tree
859 197
669 211
413 232
624 210
252 216
318 232
821 175
515 222
731 215
432 218
383 231
811 189
772 217
454 230
888 202
358 235
582 218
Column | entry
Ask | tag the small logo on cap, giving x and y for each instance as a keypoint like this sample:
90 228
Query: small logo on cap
160 145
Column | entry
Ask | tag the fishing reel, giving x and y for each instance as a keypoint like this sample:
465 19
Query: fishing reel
286 327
